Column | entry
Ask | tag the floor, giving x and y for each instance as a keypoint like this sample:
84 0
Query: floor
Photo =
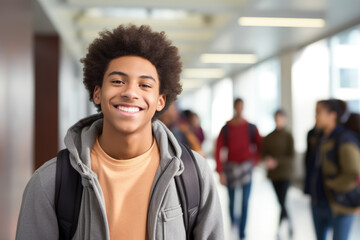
264 211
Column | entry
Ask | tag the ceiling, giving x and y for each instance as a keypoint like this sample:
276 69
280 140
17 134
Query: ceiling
197 26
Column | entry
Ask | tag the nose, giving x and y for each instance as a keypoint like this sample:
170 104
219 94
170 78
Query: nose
130 91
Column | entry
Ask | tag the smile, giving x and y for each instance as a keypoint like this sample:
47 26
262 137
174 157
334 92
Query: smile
128 109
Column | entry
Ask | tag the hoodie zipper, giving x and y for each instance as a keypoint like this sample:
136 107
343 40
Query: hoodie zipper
160 190
93 181
95 186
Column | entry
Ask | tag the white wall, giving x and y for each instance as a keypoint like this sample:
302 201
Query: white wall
222 105
260 88
310 83
73 97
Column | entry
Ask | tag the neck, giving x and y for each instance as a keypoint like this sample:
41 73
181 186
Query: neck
237 119
328 130
124 146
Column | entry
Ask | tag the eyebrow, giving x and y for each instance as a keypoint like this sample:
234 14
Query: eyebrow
125 75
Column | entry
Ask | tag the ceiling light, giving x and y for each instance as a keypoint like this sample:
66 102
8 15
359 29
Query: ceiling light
114 12
189 84
203 73
282 22
228 58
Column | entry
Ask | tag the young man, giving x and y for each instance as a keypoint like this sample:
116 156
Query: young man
278 155
242 141
127 159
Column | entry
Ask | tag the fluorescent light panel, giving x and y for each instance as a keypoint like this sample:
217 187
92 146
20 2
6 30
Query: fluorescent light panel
203 73
192 83
282 22
228 58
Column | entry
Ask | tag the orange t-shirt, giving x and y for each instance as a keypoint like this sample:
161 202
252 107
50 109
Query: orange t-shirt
126 185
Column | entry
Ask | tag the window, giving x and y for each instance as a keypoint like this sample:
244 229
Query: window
310 83
260 89
345 67
348 78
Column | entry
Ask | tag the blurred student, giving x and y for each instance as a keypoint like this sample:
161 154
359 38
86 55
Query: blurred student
242 141
170 118
310 154
194 122
180 128
336 172
278 155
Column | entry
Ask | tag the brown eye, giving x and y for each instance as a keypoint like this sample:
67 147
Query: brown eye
117 82
145 86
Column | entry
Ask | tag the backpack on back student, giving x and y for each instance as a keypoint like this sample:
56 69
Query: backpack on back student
239 174
68 193
352 198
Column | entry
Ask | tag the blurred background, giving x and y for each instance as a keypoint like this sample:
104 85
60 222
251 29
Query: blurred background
273 53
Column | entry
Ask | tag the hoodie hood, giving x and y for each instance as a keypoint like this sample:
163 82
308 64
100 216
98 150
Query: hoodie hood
81 137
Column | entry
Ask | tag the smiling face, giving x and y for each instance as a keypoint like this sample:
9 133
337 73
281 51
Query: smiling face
129 95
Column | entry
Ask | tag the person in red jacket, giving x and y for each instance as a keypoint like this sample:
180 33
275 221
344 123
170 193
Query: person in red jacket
238 148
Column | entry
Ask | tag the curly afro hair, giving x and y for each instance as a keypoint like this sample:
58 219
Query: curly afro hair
134 41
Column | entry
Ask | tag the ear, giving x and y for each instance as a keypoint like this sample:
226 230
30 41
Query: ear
97 94
161 102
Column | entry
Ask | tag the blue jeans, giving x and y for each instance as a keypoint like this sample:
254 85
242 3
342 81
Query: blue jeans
244 207
324 220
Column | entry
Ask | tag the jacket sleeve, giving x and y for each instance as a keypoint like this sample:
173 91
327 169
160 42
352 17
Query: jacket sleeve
308 165
209 223
37 219
219 145
349 156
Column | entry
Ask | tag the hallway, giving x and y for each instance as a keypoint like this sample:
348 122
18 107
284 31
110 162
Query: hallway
264 210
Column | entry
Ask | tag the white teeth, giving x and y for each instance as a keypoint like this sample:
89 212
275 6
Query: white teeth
128 109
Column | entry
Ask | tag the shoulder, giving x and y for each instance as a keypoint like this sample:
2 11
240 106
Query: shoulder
252 128
47 171
203 166
43 179
249 124
269 136
348 136
288 133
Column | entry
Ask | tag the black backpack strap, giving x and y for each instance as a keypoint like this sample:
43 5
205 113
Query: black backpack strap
68 193
225 134
252 133
188 187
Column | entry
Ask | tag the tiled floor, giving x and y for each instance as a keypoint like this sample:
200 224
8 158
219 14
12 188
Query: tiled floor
264 211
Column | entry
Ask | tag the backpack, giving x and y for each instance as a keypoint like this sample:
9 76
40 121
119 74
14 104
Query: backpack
352 198
225 130
68 193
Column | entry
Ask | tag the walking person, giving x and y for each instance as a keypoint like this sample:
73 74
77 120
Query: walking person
194 123
126 159
278 155
312 139
242 142
335 173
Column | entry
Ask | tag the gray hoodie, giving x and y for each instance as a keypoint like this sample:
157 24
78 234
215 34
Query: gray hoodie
38 220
